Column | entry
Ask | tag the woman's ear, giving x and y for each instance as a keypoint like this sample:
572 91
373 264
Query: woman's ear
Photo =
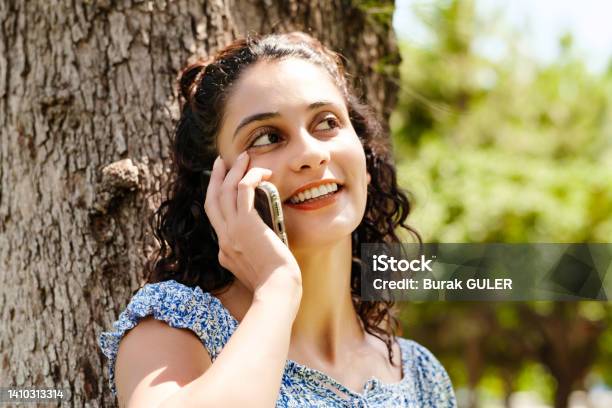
369 177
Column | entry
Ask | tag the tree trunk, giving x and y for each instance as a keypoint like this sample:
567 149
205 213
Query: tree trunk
87 102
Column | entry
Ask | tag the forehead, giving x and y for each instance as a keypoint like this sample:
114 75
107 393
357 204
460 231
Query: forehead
275 86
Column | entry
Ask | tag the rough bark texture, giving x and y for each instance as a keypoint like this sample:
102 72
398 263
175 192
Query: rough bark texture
87 103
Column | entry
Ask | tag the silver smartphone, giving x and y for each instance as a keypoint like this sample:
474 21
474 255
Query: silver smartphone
268 205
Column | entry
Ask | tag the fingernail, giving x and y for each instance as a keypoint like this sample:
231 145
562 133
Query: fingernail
243 155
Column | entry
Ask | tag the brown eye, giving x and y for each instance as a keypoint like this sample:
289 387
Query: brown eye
330 122
266 137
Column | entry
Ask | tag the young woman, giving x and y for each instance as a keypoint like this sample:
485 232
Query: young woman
235 318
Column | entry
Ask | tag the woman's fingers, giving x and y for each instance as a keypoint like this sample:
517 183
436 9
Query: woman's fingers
246 188
213 192
229 189
230 194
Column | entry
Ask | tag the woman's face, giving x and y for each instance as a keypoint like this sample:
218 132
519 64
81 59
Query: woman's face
292 119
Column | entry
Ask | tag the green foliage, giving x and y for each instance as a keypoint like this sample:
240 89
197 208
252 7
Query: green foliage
466 193
504 150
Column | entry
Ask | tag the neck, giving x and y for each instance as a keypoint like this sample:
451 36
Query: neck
326 322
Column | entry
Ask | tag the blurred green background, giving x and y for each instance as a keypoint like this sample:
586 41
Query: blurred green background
507 149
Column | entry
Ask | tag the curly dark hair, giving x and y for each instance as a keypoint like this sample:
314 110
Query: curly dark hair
188 252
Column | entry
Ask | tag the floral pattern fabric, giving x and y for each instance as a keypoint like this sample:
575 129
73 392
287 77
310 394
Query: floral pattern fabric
425 383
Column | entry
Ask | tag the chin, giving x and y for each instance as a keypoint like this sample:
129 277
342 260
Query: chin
318 236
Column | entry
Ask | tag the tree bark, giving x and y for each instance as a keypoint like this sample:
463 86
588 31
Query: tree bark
87 103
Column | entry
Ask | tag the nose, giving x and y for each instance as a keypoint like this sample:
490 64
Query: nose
309 152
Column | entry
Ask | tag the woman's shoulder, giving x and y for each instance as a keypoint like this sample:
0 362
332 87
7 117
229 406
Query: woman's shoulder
417 353
178 305
417 358
171 301
427 373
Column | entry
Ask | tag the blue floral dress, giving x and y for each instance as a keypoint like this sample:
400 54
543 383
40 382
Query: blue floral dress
425 383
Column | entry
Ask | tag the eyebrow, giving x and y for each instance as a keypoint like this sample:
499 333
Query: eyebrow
267 115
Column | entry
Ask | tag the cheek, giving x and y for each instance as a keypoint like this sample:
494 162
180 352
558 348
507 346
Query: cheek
357 159
361 172
354 166
262 163
272 165
349 145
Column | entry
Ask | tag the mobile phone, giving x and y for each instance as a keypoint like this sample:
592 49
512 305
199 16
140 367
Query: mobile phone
270 209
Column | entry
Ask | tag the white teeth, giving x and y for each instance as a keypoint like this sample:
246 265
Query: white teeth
314 193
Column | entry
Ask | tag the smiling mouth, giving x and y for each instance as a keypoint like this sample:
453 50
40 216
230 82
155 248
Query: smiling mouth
314 194
316 203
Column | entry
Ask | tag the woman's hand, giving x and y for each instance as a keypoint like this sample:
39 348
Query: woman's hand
247 246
